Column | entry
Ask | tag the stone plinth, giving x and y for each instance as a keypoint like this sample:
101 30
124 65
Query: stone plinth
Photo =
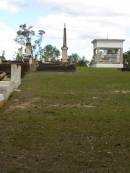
64 55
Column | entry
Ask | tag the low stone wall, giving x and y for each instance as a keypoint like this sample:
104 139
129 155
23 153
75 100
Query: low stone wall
56 67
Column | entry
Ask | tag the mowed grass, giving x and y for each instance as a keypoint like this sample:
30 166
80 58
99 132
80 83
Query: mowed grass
68 123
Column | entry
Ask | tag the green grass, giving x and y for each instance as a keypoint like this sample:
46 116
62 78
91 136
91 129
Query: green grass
68 123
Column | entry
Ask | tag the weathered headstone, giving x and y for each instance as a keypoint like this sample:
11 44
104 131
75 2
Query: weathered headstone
1 100
16 74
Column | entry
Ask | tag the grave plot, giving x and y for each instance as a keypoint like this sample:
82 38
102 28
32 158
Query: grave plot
2 75
6 67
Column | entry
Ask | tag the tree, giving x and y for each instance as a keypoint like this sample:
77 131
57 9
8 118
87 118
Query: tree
27 35
126 59
2 57
83 61
74 58
91 62
38 43
24 34
19 56
50 53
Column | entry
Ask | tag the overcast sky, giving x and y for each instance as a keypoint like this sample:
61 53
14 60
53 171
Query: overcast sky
85 20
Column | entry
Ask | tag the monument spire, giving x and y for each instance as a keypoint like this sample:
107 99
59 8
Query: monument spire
64 48
64 37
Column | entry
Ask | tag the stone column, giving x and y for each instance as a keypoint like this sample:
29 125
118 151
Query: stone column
94 55
30 61
121 56
64 55
98 55
118 56
32 64
16 74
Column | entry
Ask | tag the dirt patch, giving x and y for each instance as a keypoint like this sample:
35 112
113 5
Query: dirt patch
121 91
2 103
70 106
34 104
24 105
94 98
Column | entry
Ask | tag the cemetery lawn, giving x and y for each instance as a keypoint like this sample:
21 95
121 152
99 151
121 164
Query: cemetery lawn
67 123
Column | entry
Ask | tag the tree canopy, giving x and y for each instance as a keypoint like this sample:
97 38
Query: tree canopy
126 59
81 61
2 57
26 34
74 58
50 52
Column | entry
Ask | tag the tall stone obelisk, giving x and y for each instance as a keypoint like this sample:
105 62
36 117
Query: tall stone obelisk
64 48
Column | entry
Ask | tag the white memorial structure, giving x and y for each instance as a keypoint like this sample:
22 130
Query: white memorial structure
108 53
64 47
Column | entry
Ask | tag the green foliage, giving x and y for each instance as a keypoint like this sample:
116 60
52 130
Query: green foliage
24 34
2 57
83 62
38 42
74 58
91 62
50 52
27 35
80 61
18 57
126 59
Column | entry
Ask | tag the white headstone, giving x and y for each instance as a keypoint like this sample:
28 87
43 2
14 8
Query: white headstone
30 61
1 97
16 74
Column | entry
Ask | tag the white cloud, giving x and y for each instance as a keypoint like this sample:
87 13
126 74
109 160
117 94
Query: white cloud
7 43
80 31
11 5
89 7
86 20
